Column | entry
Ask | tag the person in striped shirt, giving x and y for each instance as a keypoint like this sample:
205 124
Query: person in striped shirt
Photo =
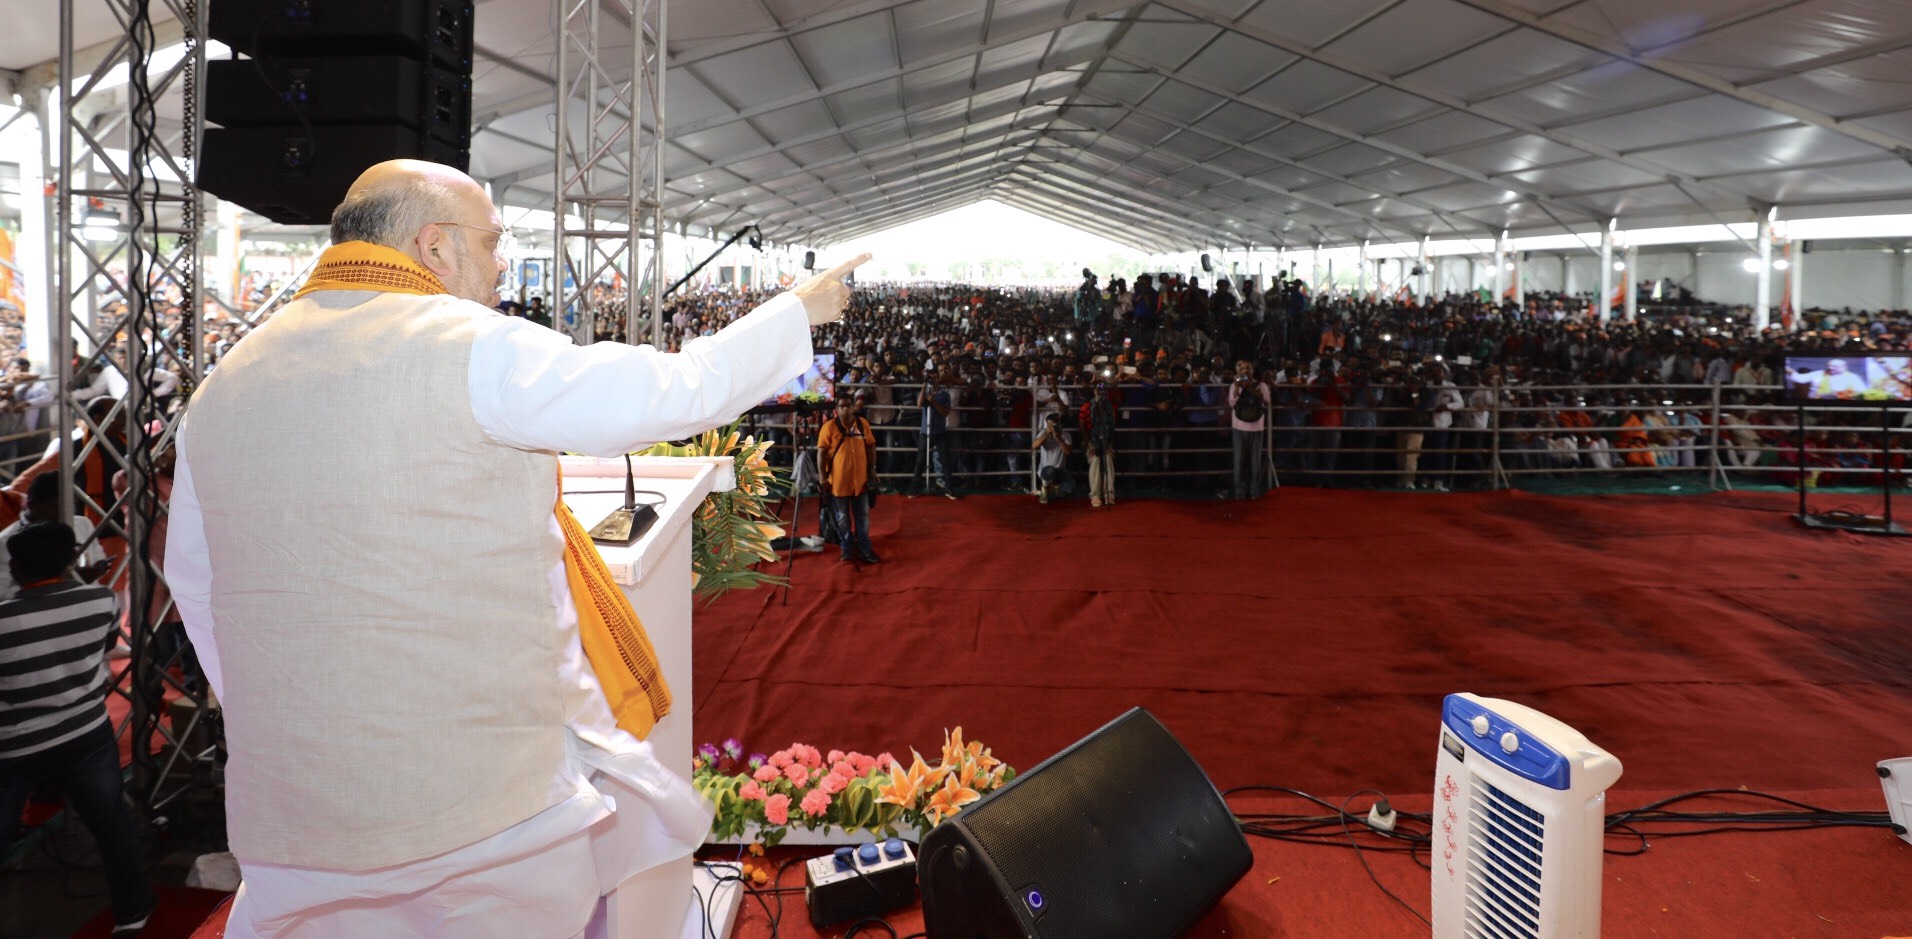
53 723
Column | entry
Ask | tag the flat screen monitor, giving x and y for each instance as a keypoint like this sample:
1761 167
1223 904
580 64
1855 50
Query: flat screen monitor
819 378
1849 377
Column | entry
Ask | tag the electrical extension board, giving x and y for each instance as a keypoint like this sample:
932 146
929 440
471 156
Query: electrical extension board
854 882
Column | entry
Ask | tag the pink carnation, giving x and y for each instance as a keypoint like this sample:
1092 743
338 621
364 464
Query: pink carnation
776 809
780 759
863 763
766 773
751 790
835 756
816 803
883 759
832 784
808 755
797 774
843 769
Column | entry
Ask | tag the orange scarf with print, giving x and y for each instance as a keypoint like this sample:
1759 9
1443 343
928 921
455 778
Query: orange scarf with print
613 637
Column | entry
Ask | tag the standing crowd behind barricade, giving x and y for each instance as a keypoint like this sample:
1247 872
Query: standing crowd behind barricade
959 383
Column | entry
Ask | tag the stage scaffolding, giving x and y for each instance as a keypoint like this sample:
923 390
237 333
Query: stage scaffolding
609 183
123 248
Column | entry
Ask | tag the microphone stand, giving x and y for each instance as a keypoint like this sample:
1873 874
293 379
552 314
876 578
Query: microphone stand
627 524
681 281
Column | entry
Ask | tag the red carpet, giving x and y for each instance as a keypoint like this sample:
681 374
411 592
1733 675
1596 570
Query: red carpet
1307 639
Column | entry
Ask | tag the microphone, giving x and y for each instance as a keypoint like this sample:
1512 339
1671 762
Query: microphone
627 524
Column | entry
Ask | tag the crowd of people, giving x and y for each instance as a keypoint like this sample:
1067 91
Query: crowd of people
981 388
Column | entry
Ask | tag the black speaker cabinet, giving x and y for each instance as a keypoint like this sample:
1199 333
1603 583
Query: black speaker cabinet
296 178
1120 835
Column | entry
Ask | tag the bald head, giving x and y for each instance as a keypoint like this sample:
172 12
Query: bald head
435 214
389 203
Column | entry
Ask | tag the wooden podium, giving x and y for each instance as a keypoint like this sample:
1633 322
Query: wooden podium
655 574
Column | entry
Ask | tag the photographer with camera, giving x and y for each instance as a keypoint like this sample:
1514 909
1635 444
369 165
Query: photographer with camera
846 465
1052 455
1098 428
932 447
1248 402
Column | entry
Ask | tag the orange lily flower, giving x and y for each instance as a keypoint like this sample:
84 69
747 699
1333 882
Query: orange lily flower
952 747
904 785
950 799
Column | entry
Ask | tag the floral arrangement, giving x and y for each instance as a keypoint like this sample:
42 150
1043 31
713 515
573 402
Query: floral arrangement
801 786
731 531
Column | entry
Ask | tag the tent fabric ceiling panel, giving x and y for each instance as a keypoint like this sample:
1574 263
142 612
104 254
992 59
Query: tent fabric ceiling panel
1777 149
1306 86
1237 63
1352 159
1513 155
697 25
753 76
1242 162
1882 180
1291 178
1506 60
937 83
1448 130
1082 37
862 103
1313 22
1610 86
1587 176
1129 88
793 122
1182 101
1017 16
925 29
1450 117
1898 124
1238 121
1437 28
1165 45
1408 177
1297 140
730 138
1853 88
688 101
847 50
1377 109
1791 36
1700 117
1015 57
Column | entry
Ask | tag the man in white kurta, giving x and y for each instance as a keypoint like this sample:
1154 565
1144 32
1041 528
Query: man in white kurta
363 552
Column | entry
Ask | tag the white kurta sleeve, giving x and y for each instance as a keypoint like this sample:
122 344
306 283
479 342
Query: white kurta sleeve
189 566
532 388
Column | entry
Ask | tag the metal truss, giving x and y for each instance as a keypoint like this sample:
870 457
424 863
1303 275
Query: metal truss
125 249
609 211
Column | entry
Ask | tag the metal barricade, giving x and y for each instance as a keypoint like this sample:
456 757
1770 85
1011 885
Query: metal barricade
1499 436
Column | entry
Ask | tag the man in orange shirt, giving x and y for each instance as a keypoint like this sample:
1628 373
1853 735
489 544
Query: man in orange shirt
846 459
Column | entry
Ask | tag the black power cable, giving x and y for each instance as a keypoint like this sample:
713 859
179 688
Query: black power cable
1338 829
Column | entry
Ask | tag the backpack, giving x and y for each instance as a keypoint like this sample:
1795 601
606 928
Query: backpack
1101 422
1249 407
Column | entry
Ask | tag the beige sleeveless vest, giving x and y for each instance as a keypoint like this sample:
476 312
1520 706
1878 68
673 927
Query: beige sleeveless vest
380 597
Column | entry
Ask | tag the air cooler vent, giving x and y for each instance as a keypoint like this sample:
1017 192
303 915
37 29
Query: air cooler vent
1519 814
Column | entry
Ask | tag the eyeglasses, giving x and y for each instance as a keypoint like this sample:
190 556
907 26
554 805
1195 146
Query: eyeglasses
500 232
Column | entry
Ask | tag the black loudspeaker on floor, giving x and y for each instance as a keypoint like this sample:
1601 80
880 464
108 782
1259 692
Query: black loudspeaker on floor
1121 834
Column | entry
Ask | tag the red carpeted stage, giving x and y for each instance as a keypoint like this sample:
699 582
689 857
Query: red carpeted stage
1307 639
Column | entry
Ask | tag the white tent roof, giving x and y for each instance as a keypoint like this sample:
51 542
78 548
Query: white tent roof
1181 124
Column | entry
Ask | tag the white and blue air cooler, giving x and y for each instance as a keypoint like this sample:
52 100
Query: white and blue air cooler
1519 824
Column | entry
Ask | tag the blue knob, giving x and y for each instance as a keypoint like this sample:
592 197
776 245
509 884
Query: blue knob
893 849
866 854
844 858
